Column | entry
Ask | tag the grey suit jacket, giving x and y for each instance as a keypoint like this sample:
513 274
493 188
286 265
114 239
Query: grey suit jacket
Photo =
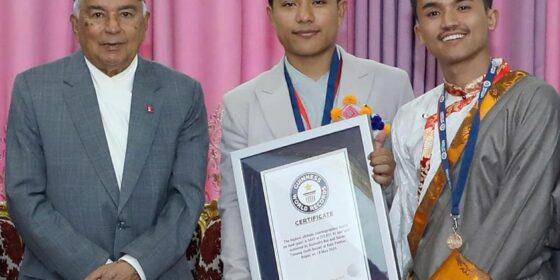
62 191
260 111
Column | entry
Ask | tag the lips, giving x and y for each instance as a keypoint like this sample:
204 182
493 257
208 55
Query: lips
306 33
112 45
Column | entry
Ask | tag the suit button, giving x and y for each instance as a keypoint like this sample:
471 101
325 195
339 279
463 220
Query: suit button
121 225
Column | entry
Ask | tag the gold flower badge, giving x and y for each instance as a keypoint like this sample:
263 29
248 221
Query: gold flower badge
351 109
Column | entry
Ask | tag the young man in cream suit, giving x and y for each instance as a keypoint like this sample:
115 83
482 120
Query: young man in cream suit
261 109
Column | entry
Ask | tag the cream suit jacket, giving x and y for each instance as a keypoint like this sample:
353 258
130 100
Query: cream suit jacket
260 110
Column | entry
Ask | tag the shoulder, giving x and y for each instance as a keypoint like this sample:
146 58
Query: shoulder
535 88
48 71
181 94
524 92
245 93
410 113
532 97
424 100
46 80
168 75
379 68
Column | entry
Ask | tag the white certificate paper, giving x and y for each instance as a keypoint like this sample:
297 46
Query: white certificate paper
313 219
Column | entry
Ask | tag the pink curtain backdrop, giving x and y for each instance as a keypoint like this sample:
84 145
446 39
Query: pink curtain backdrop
224 43
552 51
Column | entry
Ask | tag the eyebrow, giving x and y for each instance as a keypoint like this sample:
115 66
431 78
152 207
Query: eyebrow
125 7
434 4
430 4
128 7
94 7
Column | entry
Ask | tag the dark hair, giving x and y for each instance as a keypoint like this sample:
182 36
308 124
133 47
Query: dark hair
272 1
414 3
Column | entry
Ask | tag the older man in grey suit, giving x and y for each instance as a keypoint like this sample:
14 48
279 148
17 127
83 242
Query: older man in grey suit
106 156
263 108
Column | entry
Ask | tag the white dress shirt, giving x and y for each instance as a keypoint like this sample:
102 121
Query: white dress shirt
408 139
114 96
311 93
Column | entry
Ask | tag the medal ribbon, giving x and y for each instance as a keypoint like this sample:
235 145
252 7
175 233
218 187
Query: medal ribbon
300 114
457 191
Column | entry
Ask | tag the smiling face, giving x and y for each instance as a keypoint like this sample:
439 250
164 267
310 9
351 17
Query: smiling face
455 31
307 28
110 32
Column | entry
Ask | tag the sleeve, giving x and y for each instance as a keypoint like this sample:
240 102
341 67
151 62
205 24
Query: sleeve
554 234
45 231
405 202
408 93
389 193
164 243
525 211
402 92
135 264
234 251
405 95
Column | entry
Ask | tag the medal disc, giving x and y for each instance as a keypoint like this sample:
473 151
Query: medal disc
454 241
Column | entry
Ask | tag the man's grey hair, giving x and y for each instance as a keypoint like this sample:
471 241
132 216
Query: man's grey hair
76 8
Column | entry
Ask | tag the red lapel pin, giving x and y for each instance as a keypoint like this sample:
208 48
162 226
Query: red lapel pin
149 108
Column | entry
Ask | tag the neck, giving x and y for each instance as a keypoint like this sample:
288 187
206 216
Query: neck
464 72
110 70
314 66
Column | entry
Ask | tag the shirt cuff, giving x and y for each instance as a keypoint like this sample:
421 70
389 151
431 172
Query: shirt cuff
135 264
389 193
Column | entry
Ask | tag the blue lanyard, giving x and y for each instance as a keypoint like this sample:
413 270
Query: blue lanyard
468 151
332 87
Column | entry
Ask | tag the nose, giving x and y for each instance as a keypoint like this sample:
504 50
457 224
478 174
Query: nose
305 13
112 25
449 19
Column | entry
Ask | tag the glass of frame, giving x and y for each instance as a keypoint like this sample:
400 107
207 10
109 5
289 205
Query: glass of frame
310 209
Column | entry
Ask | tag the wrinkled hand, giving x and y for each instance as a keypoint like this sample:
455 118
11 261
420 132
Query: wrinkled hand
119 270
382 162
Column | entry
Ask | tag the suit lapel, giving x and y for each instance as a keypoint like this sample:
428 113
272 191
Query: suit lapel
272 94
81 102
145 111
355 80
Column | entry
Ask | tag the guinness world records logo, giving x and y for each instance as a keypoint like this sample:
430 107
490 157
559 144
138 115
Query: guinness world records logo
309 192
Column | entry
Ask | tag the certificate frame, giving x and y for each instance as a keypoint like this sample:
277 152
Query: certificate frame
352 137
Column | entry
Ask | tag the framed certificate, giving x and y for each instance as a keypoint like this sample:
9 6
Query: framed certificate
310 209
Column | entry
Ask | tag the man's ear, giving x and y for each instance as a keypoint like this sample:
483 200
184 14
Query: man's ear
418 33
270 16
493 17
342 4
146 21
74 22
